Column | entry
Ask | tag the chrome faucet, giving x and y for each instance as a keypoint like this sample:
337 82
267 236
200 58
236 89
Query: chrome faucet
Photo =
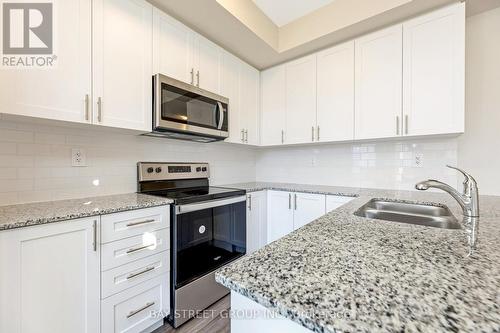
468 200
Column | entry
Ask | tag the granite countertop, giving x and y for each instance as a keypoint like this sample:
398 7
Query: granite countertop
343 273
23 215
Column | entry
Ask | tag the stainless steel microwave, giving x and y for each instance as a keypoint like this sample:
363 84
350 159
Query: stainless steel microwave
183 111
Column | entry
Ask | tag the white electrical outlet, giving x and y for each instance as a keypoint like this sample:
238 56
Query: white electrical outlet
78 157
418 160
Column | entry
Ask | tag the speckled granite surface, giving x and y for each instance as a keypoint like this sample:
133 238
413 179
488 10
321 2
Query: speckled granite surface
343 273
23 215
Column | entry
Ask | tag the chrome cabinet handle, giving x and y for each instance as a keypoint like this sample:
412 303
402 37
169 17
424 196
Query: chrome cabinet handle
94 235
246 136
249 202
87 107
242 135
397 125
289 201
133 275
133 224
318 133
312 131
406 124
282 136
99 109
295 200
197 78
135 249
192 76
133 313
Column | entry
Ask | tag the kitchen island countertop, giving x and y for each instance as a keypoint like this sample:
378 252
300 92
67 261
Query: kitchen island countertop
344 273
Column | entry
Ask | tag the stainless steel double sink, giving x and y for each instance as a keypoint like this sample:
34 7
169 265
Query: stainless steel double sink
438 216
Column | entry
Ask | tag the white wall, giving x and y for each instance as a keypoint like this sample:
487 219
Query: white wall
478 148
389 164
35 161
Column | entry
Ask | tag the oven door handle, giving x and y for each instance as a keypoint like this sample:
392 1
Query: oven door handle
182 209
221 115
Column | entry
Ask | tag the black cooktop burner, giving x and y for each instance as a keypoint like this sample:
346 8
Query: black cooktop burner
192 195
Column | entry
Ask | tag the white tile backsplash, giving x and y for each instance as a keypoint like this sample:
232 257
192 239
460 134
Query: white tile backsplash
389 164
35 161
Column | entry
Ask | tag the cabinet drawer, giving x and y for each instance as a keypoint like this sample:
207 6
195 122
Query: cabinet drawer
137 308
129 275
133 223
126 250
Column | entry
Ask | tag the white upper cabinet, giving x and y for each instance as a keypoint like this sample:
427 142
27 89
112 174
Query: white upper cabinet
50 278
207 64
230 88
273 106
301 100
172 47
378 70
123 63
64 91
250 104
335 93
433 72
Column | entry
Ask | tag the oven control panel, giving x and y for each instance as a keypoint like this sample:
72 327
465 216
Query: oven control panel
167 171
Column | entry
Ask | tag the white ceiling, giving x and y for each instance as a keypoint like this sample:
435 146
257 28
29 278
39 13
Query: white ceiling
282 12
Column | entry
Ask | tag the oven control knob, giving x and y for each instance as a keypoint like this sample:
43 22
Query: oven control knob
198 169
158 170
150 170
202 229
204 169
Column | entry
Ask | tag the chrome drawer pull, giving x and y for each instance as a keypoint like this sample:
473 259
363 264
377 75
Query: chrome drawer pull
133 275
133 313
135 249
133 224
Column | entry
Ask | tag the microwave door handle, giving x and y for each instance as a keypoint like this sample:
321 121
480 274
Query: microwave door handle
221 115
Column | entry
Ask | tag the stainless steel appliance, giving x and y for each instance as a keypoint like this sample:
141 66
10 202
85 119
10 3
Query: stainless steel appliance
183 111
208 230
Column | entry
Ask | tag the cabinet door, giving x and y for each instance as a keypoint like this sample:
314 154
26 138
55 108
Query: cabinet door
123 63
433 77
279 214
208 70
301 100
172 47
59 92
230 88
50 278
307 208
256 221
250 105
378 84
334 201
273 105
335 95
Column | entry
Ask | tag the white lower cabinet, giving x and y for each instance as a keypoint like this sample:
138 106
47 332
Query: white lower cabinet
288 211
135 270
307 208
49 280
335 201
138 308
256 221
279 215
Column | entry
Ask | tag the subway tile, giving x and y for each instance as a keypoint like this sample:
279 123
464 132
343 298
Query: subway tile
7 135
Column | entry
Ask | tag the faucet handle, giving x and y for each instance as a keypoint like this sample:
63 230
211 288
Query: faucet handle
469 181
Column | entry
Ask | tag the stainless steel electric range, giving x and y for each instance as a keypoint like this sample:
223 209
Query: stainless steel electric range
208 230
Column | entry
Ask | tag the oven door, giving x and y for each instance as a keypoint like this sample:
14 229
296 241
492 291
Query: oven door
185 108
207 236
